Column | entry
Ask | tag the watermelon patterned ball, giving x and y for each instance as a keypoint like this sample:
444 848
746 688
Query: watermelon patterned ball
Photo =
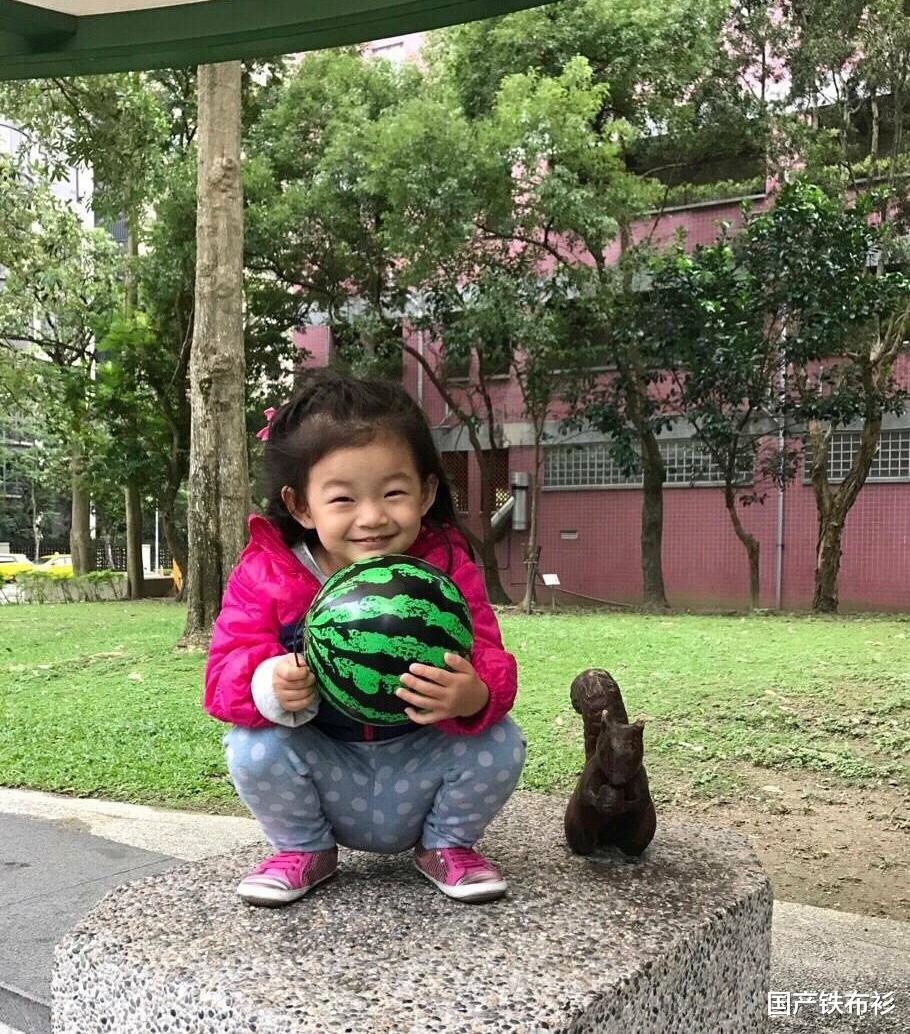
373 619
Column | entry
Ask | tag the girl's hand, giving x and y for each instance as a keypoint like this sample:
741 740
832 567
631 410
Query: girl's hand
435 693
294 684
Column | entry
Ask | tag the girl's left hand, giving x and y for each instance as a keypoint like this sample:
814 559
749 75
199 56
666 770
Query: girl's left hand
436 693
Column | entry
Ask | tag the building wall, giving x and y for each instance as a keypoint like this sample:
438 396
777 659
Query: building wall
397 49
704 564
317 343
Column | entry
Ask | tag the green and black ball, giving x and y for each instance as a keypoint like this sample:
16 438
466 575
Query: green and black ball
371 621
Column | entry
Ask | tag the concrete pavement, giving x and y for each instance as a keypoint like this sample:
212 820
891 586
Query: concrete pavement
186 835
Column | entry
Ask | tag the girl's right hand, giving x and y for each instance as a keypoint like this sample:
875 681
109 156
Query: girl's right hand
294 684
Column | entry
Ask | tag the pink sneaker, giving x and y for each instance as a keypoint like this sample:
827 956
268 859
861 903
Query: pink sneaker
287 876
460 872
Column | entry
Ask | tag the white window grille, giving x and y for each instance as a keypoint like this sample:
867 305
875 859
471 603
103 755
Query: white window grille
841 451
890 463
892 460
592 466
688 462
583 466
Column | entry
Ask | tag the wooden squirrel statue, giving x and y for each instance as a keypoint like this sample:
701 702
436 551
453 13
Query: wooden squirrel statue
611 805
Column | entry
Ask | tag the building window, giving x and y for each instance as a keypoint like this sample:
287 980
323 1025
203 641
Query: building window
591 341
494 358
456 367
592 466
892 459
840 454
890 463
498 465
455 464
583 466
496 352
688 462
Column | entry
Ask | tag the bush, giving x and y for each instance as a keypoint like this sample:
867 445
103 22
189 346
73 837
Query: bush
91 586
53 587
36 586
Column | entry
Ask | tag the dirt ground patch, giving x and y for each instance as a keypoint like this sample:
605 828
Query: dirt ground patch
823 842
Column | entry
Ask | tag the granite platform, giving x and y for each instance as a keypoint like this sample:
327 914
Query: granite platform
677 942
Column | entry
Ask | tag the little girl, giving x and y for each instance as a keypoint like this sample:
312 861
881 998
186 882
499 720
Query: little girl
352 471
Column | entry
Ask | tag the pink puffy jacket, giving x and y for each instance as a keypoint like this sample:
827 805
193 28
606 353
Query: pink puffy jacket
269 588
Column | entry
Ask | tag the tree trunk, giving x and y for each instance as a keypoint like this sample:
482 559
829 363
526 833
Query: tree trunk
36 521
834 504
827 564
750 543
135 579
652 522
176 468
489 563
653 470
486 541
175 544
219 484
81 547
108 547
167 504
130 286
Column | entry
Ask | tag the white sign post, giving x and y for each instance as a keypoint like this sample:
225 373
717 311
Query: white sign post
551 580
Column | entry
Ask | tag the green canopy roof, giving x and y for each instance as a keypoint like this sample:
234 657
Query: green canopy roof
41 38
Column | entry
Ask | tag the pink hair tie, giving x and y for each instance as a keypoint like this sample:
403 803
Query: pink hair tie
263 435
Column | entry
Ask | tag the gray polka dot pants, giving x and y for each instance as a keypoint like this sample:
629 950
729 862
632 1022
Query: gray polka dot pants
309 791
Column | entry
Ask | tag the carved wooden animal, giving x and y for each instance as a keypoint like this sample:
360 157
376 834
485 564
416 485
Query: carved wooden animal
593 692
611 804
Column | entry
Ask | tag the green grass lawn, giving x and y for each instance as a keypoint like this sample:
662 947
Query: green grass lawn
95 700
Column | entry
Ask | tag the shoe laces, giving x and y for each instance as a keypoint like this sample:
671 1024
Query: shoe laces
286 861
468 859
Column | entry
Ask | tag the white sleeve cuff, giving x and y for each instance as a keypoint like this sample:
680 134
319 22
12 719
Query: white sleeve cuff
267 703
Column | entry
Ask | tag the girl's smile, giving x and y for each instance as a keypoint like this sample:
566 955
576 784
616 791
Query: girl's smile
362 500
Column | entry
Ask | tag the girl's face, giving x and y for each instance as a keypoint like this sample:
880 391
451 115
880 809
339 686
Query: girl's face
364 501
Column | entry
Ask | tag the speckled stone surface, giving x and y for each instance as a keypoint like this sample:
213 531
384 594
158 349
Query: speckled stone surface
677 942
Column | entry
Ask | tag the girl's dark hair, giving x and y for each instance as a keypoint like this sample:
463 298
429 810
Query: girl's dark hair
332 410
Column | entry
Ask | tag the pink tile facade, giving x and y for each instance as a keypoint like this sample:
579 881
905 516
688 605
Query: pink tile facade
317 342
704 563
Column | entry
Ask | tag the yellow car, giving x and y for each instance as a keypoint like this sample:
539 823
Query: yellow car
60 565
12 564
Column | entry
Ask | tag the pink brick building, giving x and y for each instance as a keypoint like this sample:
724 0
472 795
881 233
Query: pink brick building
590 515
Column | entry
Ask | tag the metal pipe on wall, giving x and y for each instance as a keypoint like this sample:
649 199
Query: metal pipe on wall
779 562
